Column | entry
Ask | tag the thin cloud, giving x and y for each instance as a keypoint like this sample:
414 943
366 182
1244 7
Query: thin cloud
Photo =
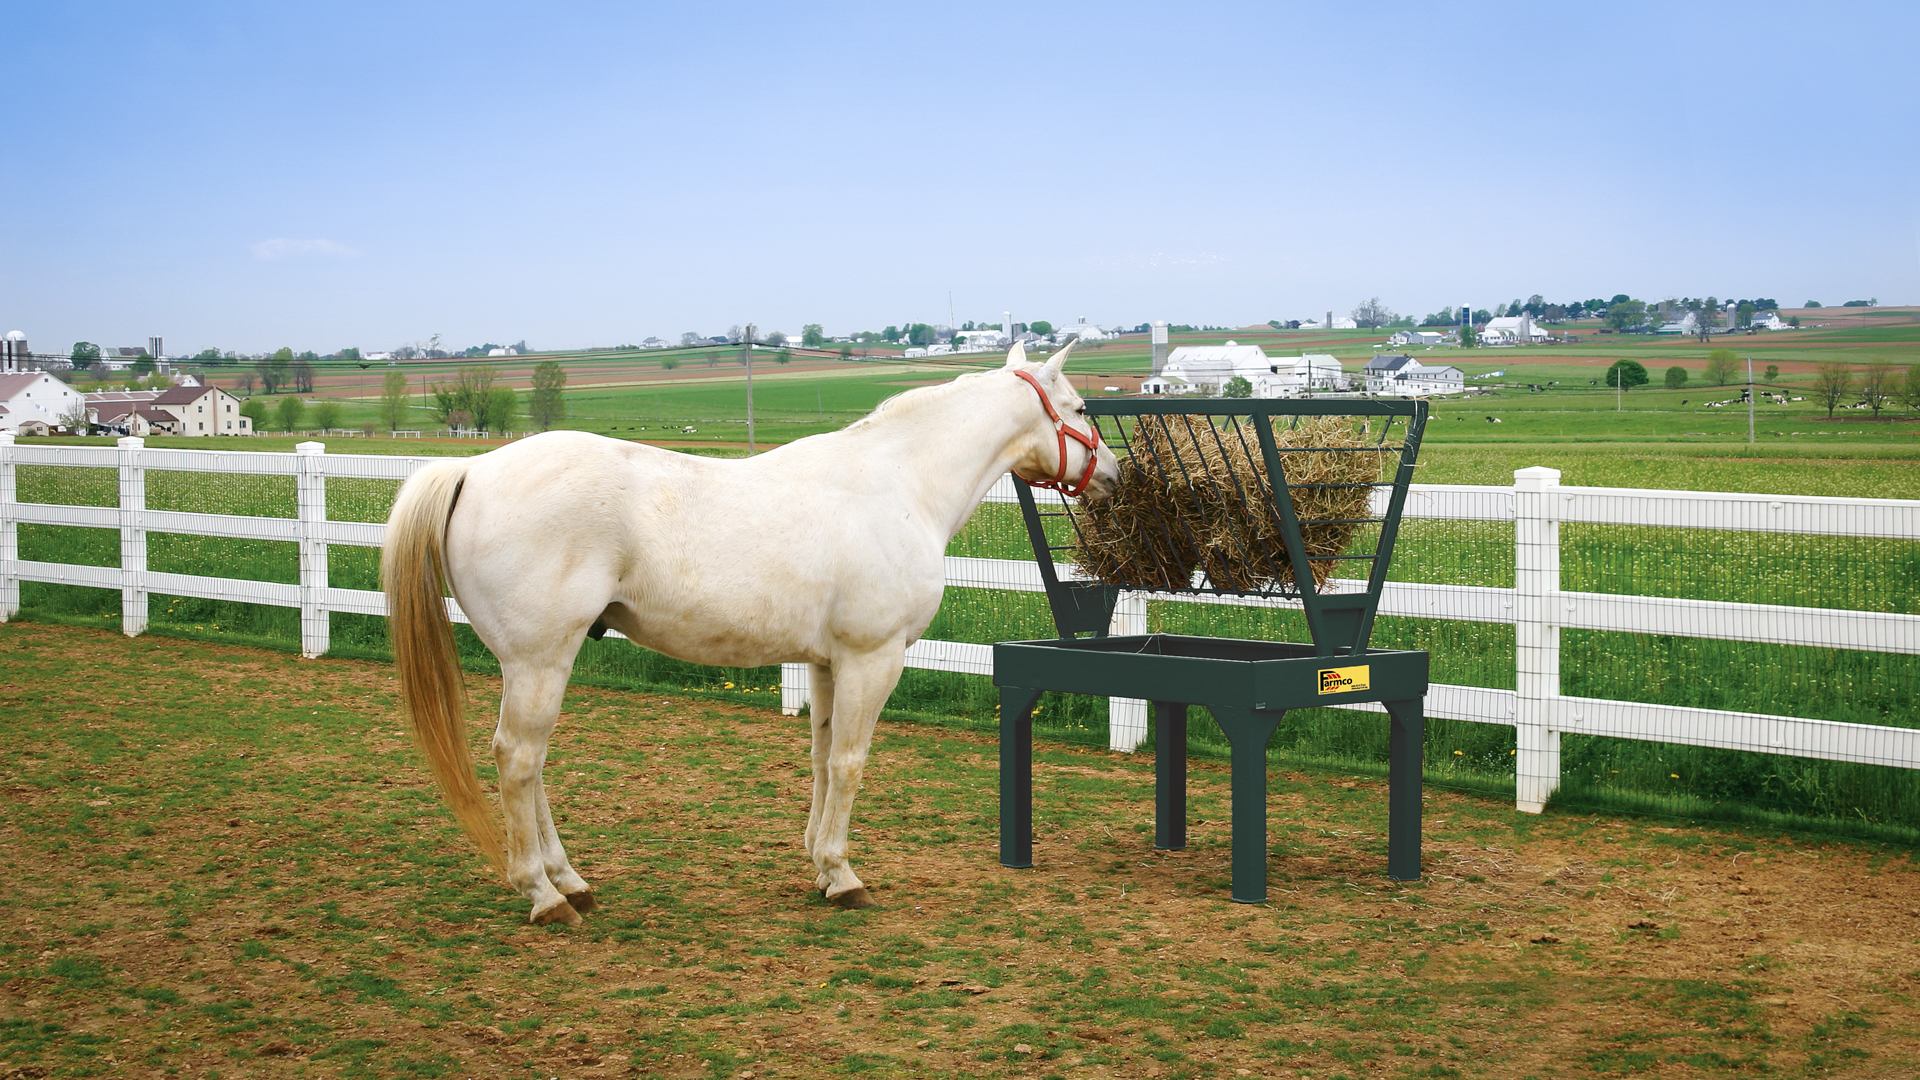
282 248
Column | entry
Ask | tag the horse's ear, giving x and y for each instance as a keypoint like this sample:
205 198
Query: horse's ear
1059 360
1016 355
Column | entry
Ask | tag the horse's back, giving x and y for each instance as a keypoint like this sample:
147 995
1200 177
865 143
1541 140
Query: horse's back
717 561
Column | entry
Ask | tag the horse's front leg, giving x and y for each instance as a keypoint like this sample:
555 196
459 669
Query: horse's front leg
536 863
861 686
820 712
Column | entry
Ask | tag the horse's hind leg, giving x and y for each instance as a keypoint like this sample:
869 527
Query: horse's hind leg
820 710
536 862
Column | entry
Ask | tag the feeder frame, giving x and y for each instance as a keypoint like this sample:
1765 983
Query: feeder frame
1247 685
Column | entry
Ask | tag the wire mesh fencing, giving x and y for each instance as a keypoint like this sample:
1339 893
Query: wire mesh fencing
1689 653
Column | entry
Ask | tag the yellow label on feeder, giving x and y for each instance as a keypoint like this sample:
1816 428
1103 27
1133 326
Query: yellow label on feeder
1342 680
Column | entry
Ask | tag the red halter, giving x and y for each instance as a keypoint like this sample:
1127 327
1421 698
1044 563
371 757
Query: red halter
1091 441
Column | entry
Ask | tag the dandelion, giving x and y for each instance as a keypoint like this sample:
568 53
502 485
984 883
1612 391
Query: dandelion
729 686
1458 753
1673 776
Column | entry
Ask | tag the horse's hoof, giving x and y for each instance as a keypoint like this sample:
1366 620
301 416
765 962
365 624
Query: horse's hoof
582 902
852 900
561 912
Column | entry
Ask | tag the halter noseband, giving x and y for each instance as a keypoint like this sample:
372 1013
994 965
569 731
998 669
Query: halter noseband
1091 441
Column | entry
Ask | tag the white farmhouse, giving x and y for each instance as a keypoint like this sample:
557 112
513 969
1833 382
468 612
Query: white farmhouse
180 410
1398 375
1404 338
34 402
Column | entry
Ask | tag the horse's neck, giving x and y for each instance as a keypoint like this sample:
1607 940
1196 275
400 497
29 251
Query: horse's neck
956 445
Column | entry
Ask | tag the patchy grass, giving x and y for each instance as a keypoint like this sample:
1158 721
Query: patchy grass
228 861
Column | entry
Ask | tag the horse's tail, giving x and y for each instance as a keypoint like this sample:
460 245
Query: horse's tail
413 566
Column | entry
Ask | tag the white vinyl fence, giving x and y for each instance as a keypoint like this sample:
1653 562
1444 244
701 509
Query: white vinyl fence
1537 607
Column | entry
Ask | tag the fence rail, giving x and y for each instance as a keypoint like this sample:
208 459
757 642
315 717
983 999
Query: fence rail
1537 607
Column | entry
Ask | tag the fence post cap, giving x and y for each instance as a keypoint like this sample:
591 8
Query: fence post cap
6 438
310 448
130 442
1535 478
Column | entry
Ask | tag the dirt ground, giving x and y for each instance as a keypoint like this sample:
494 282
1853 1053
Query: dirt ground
226 861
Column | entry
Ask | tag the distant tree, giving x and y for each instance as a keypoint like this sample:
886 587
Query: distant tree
1878 384
1627 374
1625 315
1832 382
469 395
812 336
503 407
1910 387
668 363
546 406
326 414
255 410
287 414
1237 387
735 334
1811 304
1708 317
1468 338
75 418
921 334
846 350
1722 366
302 375
84 354
1861 303
394 400
274 370
1371 314
1743 314
783 356
713 358
890 335
689 339
1535 306
142 365
344 354
776 339
1794 322
243 382
210 357
1772 373
1041 327
1482 317
1676 377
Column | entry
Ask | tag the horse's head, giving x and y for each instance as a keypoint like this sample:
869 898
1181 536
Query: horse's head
1064 449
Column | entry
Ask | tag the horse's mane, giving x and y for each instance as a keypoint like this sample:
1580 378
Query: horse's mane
908 402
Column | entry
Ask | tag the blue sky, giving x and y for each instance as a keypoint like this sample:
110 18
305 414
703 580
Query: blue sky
247 176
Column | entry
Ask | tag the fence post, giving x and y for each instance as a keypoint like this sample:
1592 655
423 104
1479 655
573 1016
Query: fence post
133 537
794 683
310 491
1127 717
9 534
1536 637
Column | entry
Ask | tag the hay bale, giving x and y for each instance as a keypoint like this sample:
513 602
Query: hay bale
1194 496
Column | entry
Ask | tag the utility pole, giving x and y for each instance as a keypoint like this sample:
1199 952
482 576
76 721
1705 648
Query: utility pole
746 357
1749 401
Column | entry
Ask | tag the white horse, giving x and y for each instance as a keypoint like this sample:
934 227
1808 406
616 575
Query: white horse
826 551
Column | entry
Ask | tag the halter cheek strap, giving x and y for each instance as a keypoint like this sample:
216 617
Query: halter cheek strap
1090 440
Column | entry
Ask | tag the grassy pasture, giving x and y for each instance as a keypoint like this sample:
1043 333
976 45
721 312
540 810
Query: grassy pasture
238 869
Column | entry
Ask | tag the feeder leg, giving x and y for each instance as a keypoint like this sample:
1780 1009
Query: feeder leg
1016 775
1169 775
1406 758
1249 731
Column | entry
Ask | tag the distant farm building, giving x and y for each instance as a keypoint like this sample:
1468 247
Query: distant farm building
1404 338
1398 375
1206 369
32 402
1512 330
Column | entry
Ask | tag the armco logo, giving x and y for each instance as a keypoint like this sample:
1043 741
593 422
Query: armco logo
1343 680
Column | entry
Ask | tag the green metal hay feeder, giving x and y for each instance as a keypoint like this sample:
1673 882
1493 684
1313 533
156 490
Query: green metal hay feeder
1240 508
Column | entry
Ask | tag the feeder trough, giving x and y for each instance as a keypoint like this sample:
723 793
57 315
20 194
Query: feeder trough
1237 497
